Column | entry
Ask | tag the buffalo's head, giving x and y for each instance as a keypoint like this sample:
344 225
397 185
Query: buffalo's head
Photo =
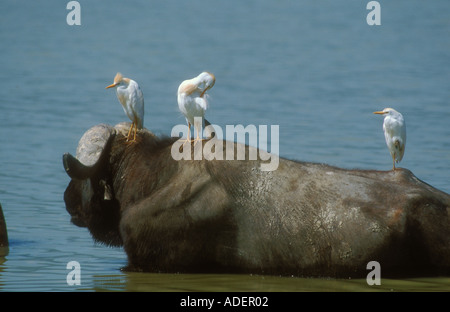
89 196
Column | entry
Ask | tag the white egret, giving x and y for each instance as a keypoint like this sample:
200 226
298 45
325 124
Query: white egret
394 128
192 102
132 99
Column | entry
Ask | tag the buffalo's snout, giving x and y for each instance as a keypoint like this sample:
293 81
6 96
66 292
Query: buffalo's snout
72 197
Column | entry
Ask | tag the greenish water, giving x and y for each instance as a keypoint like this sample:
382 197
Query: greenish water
259 283
315 68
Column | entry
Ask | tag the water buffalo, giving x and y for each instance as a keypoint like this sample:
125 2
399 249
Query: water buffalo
3 235
302 219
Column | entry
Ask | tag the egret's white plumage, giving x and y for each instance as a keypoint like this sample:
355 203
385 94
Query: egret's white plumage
394 128
132 99
192 101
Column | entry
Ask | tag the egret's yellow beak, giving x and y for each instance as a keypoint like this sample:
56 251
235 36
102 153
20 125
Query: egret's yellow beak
203 93
111 86
380 113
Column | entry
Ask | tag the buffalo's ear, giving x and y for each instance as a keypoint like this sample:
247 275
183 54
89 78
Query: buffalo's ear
75 169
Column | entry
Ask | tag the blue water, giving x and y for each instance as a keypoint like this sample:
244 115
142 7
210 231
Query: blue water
315 68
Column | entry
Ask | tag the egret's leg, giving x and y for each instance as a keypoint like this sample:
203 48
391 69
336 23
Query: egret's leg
393 162
188 139
189 133
198 135
129 140
129 132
